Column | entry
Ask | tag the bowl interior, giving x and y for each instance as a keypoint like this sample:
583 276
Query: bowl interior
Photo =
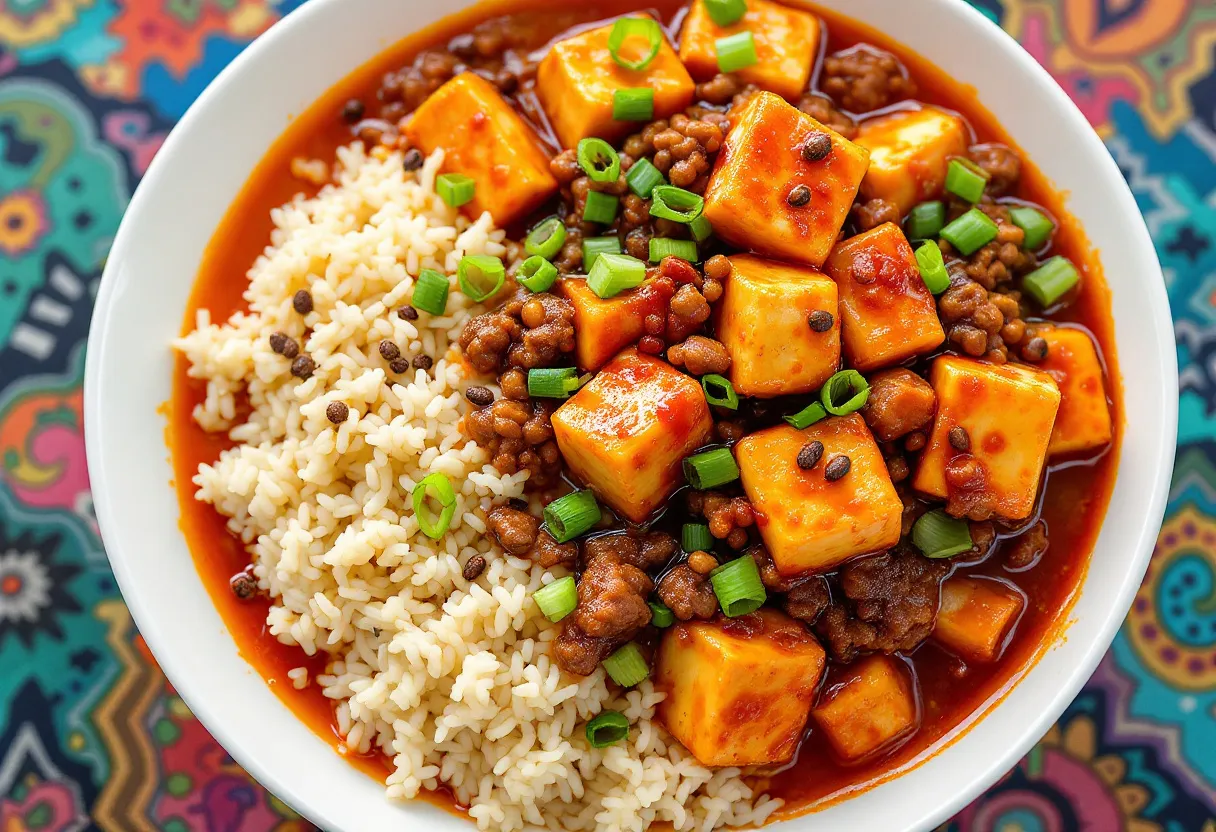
203 166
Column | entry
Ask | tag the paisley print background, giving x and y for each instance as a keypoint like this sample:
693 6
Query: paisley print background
91 734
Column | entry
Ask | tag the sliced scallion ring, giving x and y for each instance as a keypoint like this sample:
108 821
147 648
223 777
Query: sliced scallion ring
608 728
546 238
932 267
661 247
569 516
536 274
806 417
480 276
966 180
614 273
1036 226
738 586
552 382
1051 281
593 247
633 104
430 292
599 160
437 487
695 537
938 535
627 666
736 52
676 204
719 391
643 177
558 599
709 469
844 393
625 32
660 615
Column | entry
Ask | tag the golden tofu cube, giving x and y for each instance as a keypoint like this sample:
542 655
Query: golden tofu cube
1008 412
1083 422
787 43
761 163
485 139
909 153
808 523
888 313
577 78
762 322
871 706
976 616
738 689
605 326
626 432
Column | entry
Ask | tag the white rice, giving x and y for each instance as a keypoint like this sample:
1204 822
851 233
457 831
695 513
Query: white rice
452 680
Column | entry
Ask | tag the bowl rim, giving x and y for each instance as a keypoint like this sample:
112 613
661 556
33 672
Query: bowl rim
282 785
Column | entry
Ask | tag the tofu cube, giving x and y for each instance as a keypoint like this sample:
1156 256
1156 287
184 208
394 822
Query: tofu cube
808 523
577 78
1008 412
787 43
871 706
976 615
762 322
484 138
738 689
626 432
761 162
1083 422
605 326
887 312
909 153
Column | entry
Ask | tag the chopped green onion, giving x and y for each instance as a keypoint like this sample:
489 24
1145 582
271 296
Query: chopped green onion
932 267
738 586
660 615
593 247
600 208
569 516
552 382
633 104
1035 224
844 393
558 599
598 160
966 180
437 487
1051 281
480 276
627 666
661 247
808 416
546 238
925 221
700 229
736 52
614 273
536 274
675 204
695 537
430 292
607 729
720 392
725 12
709 469
970 232
938 535
627 28
455 189
643 177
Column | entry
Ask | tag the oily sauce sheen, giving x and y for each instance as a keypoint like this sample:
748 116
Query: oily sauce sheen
1072 503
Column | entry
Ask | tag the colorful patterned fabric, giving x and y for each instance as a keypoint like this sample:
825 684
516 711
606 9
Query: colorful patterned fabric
91 734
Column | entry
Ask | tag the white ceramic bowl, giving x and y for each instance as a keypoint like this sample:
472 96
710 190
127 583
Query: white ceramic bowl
203 165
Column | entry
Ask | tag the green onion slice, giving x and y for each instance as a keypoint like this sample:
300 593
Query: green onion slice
738 586
932 267
695 537
675 204
608 728
1036 225
709 469
569 516
558 599
808 416
455 189
593 247
627 666
970 232
430 292
844 393
600 208
1051 281
719 391
966 180
660 615
938 535
725 12
925 221
438 488
536 274
633 104
546 238
552 382
700 229
480 276
627 29
643 177
661 247
598 160
736 52
614 273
